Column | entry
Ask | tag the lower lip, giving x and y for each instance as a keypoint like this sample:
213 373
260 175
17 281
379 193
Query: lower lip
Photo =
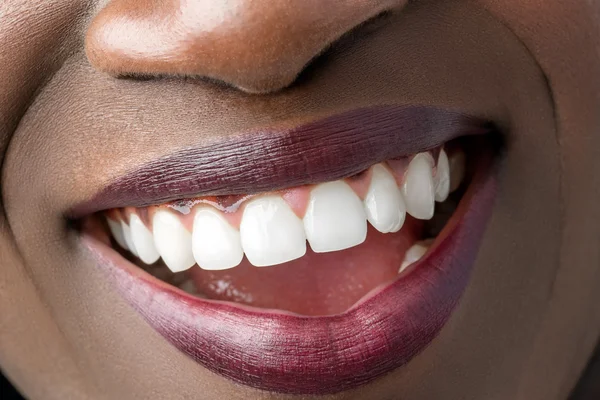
282 352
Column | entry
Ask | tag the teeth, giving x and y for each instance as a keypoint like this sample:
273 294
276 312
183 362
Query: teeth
143 240
335 218
173 241
215 244
414 254
442 178
457 170
384 203
271 233
128 239
419 191
117 232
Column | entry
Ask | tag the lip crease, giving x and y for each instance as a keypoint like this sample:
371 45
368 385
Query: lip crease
269 159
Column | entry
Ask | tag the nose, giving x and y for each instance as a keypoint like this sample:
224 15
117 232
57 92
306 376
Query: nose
257 46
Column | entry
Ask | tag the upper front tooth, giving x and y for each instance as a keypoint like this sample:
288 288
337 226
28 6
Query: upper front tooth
128 238
419 191
143 240
442 177
117 232
271 233
335 218
173 241
215 243
384 203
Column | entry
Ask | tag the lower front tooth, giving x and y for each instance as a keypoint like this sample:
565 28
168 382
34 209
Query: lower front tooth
414 254
173 241
335 218
216 244
271 233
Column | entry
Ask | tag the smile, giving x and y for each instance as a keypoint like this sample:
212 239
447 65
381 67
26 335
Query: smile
304 260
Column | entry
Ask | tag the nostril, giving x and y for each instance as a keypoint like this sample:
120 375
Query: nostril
254 46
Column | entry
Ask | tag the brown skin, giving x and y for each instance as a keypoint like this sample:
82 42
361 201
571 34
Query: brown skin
531 316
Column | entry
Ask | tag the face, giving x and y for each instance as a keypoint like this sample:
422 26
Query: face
338 199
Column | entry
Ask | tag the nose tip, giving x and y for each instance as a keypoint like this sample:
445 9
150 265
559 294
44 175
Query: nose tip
254 45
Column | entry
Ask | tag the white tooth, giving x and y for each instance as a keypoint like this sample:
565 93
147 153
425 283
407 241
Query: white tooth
442 177
384 203
418 188
128 238
173 241
457 169
215 243
335 218
413 254
271 233
117 232
143 240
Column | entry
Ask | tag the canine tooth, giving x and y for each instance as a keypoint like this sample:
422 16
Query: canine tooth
143 240
117 232
128 238
384 203
173 241
271 233
457 169
215 243
442 177
418 188
335 218
413 254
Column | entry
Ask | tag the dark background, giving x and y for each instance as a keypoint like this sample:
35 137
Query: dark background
7 392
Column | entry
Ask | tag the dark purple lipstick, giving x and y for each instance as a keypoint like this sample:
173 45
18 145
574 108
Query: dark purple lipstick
271 159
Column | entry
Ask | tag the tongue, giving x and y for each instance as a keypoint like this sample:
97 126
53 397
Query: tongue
317 283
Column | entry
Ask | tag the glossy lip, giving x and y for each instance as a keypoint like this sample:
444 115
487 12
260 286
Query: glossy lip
287 353
327 149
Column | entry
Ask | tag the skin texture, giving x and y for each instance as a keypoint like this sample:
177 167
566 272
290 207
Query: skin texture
530 318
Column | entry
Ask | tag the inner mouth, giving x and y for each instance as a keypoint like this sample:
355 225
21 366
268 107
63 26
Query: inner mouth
311 250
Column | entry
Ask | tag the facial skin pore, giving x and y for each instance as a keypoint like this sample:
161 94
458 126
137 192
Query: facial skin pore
75 114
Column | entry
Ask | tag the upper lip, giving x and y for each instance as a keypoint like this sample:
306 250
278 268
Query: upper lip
330 148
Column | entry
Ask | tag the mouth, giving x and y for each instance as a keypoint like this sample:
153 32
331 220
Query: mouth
308 260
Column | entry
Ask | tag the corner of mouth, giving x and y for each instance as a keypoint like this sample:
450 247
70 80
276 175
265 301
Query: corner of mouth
344 157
